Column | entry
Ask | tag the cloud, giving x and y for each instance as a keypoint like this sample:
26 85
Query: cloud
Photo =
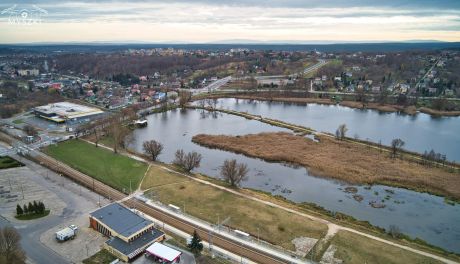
255 19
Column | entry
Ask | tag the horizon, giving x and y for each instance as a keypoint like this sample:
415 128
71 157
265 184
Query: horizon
235 22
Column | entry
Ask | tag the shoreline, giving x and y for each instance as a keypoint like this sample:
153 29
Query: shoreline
384 108
362 170
311 208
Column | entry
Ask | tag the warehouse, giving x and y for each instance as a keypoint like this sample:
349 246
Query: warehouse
130 234
64 111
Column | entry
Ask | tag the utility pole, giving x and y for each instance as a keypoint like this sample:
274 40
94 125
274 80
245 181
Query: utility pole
184 206
258 239
22 190
218 223
210 241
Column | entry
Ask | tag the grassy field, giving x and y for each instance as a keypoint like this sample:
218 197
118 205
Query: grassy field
101 257
339 159
157 176
18 121
206 202
352 248
113 169
8 162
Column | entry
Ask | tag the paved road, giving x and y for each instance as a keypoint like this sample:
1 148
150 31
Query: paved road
36 252
213 86
246 249
76 205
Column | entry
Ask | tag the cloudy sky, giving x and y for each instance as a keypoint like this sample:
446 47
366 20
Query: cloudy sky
200 21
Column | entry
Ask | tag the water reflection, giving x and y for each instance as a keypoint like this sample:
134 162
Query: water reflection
420 132
417 214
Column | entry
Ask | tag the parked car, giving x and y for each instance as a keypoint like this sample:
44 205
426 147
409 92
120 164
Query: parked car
67 233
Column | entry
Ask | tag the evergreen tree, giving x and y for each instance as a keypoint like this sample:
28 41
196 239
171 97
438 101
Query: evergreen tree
31 208
26 210
19 210
195 245
42 207
36 208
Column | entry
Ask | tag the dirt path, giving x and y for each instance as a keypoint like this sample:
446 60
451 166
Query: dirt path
332 228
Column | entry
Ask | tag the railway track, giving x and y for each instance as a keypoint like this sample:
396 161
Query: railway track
217 239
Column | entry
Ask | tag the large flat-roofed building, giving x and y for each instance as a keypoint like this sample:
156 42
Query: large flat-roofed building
130 234
63 111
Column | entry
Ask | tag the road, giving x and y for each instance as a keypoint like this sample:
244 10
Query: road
307 70
31 231
77 200
36 252
414 89
218 240
212 87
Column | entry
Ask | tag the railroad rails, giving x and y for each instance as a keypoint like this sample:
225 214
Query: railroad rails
217 239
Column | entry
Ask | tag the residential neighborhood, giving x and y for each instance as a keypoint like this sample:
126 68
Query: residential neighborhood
199 132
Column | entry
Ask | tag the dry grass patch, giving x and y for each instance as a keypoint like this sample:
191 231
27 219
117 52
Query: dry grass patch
157 176
352 248
341 160
207 203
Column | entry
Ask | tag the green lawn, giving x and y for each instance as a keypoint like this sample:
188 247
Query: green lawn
102 164
33 216
18 121
8 162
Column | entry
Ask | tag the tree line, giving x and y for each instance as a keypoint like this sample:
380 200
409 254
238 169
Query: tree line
32 208
231 171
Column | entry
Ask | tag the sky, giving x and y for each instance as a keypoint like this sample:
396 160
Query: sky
211 21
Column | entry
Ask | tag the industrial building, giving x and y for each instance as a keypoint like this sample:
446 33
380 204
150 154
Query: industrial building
129 233
65 111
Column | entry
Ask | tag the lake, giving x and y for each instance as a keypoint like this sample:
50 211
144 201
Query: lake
420 132
416 214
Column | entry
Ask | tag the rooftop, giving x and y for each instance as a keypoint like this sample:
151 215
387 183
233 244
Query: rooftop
120 219
163 251
135 247
68 110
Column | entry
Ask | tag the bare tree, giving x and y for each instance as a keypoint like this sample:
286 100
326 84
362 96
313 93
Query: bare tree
119 132
30 130
396 145
184 98
10 247
341 131
179 157
82 130
233 172
187 161
152 148
192 161
173 97
96 131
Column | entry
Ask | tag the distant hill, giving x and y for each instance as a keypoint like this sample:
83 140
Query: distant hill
343 47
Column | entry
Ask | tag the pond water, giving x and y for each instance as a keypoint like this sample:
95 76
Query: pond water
420 132
416 214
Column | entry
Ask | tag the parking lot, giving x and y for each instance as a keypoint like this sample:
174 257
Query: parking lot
86 243
17 188
69 203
